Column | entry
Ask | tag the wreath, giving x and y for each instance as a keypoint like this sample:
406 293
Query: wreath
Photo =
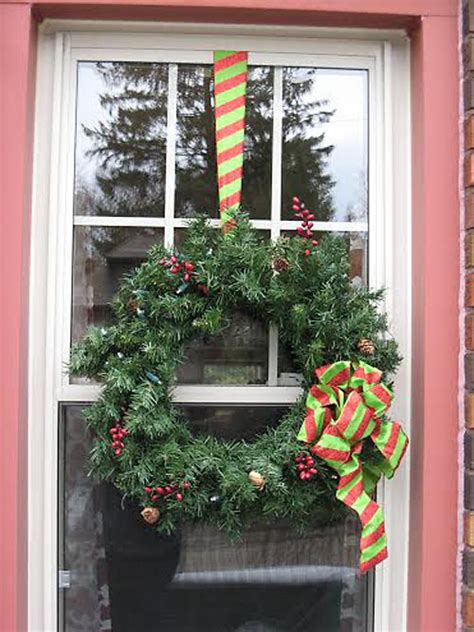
334 442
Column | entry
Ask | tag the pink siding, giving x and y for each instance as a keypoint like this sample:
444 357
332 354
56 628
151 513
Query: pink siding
434 452
16 82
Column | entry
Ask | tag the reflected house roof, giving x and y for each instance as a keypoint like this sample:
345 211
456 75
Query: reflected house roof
135 247
97 273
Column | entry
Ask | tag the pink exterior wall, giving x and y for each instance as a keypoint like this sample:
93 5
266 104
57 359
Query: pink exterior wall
434 454
434 447
16 81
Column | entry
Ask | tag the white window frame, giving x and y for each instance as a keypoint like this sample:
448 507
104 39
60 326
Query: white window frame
385 54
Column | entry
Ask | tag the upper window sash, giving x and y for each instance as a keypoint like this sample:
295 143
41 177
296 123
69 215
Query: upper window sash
75 47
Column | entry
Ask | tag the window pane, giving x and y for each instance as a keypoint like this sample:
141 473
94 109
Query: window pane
325 142
82 606
127 578
102 255
196 171
196 175
233 422
120 139
257 181
357 247
237 356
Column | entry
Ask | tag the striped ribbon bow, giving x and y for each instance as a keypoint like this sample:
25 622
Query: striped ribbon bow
346 407
230 83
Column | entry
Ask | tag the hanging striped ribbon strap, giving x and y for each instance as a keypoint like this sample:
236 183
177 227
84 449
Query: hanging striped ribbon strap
230 82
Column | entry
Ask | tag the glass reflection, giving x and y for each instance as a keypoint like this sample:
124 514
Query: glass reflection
238 356
120 139
357 249
196 171
127 578
257 179
232 422
102 255
325 142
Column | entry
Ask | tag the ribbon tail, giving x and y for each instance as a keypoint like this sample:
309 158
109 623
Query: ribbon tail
392 442
371 474
315 421
350 491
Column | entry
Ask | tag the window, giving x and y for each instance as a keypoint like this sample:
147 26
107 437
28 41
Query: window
127 129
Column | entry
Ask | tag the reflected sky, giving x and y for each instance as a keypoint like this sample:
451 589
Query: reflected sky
347 131
345 92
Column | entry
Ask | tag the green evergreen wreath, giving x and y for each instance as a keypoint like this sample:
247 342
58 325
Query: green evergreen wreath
145 447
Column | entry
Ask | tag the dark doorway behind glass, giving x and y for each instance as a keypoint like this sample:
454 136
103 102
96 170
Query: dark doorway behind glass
124 577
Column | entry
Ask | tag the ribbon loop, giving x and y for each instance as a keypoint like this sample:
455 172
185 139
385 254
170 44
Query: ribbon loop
364 375
392 442
356 419
379 398
346 407
337 374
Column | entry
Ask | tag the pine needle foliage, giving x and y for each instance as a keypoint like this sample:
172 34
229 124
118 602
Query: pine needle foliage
320 316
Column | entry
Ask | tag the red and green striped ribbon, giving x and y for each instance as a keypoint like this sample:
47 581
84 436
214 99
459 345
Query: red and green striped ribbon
346 407
230 82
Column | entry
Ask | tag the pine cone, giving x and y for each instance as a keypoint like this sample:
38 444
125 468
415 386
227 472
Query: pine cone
280 264
257 480
366 346
132 305
151 515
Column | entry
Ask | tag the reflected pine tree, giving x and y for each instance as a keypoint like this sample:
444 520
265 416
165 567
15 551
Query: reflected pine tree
130 142
305 154
128 145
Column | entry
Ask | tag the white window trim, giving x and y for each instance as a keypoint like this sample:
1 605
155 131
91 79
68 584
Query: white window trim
61 44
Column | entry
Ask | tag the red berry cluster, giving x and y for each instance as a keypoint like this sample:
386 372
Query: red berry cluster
118 433
167 491
186 268
176 266
306 225
305 466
